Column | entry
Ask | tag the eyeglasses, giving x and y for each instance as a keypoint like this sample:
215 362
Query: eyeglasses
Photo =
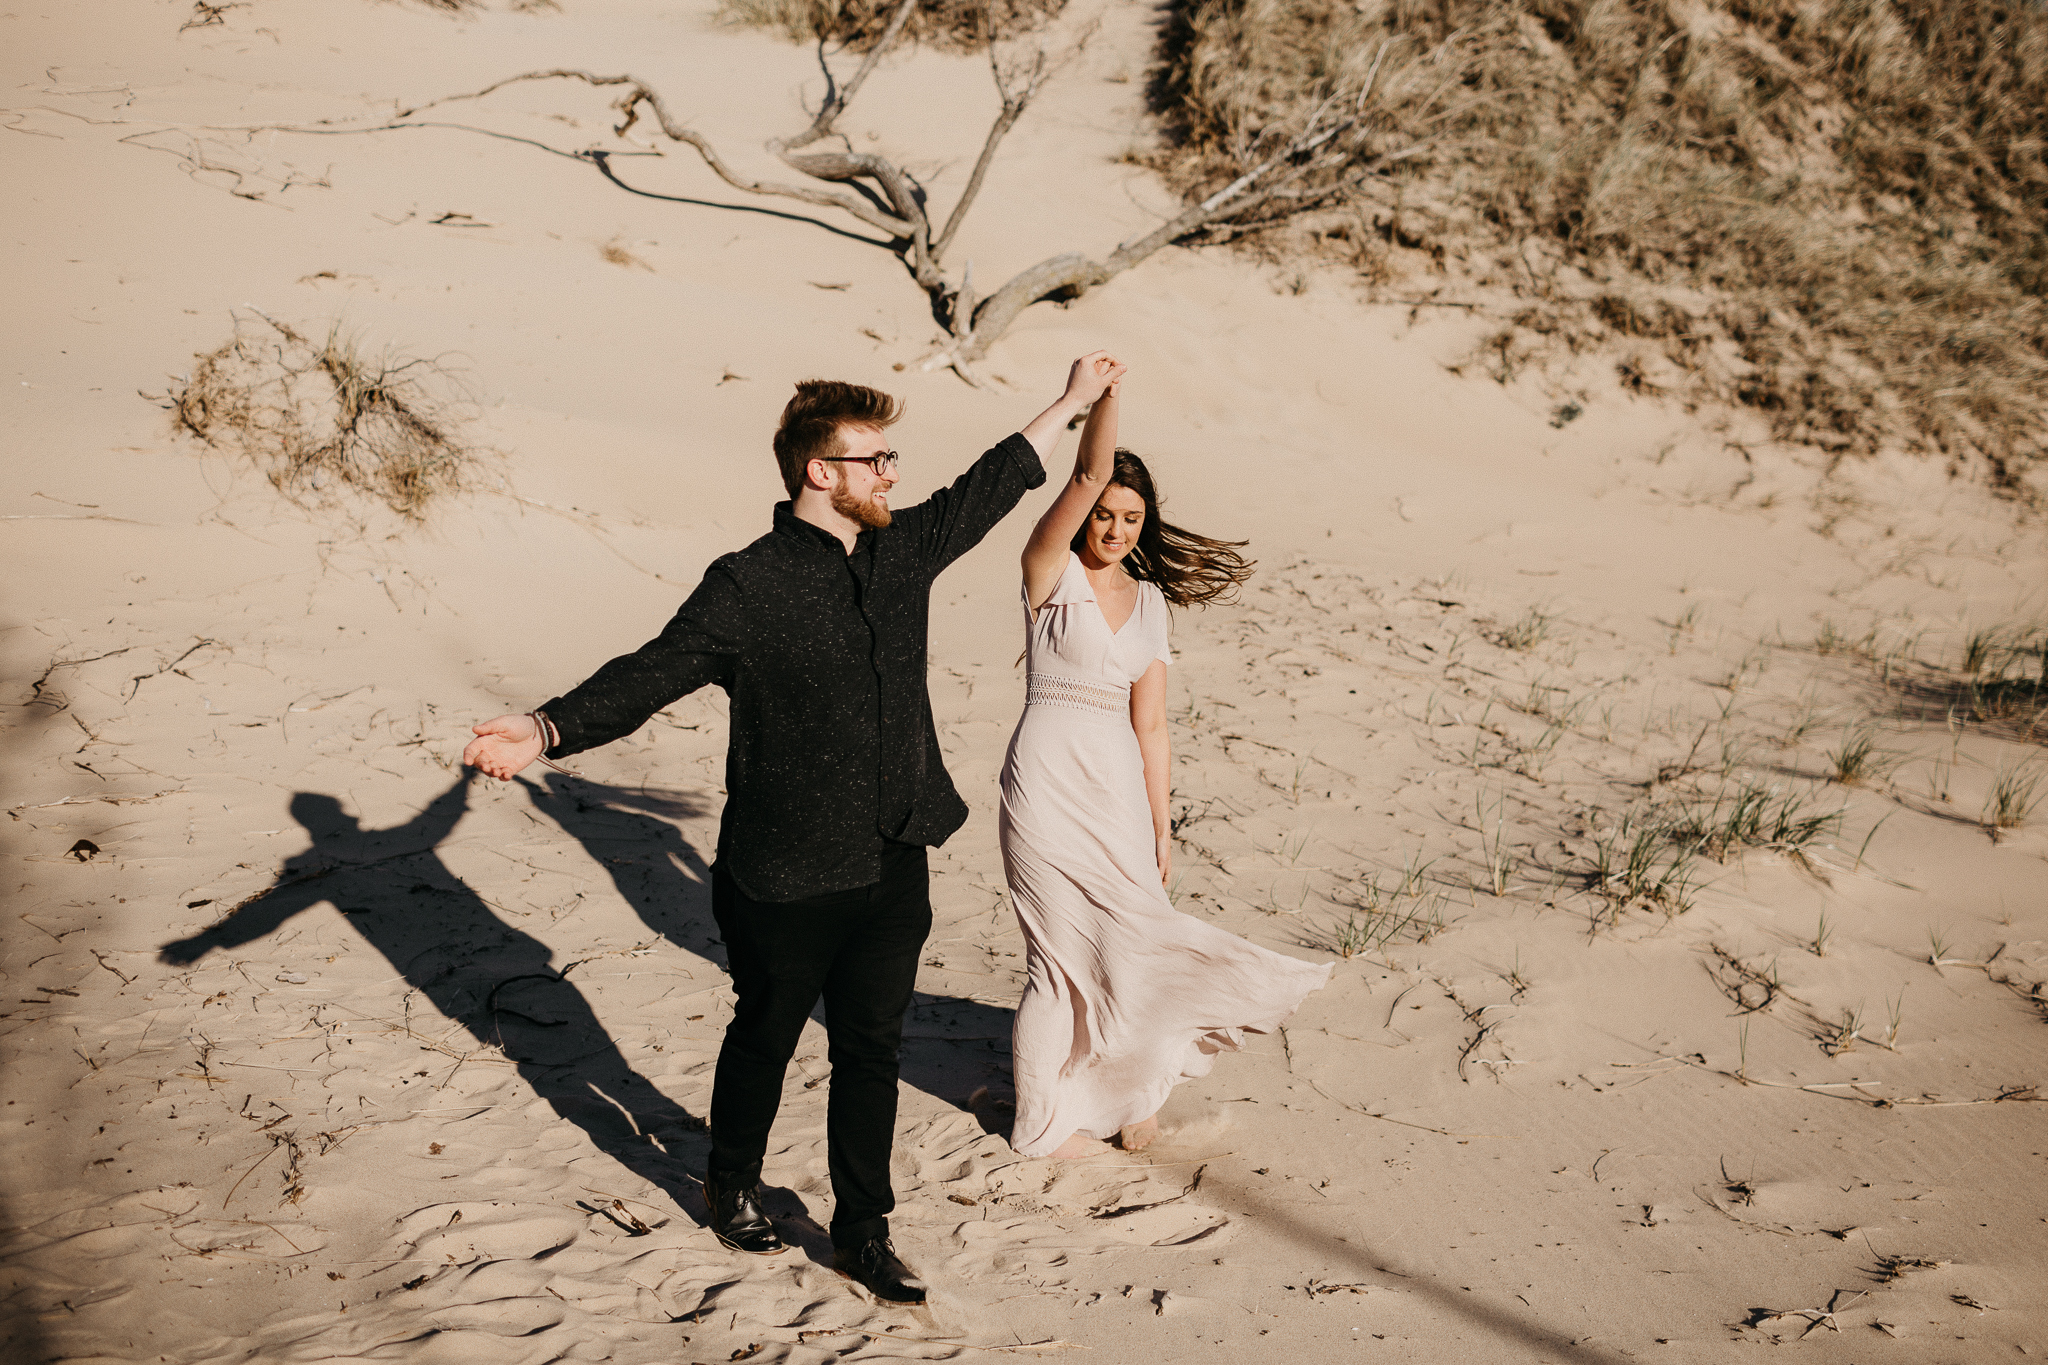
883 464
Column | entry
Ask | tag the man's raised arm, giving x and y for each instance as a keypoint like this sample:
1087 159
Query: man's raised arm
956 517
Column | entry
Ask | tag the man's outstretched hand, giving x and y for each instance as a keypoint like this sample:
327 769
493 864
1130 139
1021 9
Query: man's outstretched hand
504 746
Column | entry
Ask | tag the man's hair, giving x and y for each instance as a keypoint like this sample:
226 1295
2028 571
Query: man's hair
809 429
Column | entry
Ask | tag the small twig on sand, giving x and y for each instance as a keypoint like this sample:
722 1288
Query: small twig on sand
1815 1317
2016 1094
36 697
1397 1004
136 682
110 798
1442 1132
126 980
251 1171
589 522
1890 1267
1481 1028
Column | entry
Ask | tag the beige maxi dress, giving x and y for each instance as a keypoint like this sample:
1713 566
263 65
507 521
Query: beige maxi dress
1126 996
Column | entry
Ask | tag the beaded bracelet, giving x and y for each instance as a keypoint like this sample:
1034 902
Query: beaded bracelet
549 738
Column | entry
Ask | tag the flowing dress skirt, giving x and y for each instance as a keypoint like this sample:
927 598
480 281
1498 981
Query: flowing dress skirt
1126 996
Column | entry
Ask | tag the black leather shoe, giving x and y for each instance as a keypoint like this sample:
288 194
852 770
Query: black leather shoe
875 1264
737 1221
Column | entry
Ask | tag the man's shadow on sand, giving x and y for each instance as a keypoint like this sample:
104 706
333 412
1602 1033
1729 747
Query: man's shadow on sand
492 979
497 982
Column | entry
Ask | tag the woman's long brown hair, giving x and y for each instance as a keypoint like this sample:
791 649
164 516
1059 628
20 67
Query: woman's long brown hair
1190 570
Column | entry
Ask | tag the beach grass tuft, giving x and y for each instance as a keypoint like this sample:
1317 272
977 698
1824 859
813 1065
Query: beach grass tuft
1376 921
1842 1035
1895 1015
1526 631
1999 679
1858 758
954 25
2014 794
318 418
1646 858
1756 816
1499 859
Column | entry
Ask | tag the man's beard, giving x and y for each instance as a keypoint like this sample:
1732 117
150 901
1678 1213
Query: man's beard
871 513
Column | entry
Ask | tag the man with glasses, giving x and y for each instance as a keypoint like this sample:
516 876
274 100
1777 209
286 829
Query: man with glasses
835 783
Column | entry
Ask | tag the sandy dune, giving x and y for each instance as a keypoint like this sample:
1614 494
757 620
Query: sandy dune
318 1048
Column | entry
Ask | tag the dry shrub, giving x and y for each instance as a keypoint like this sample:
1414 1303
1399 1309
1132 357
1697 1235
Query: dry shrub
318 418
1834 212
472 6
956 25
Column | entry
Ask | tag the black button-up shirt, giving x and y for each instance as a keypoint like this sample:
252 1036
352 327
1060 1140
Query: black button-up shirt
832 748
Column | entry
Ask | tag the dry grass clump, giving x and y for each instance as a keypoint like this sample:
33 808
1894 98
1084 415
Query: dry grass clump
1755 816
2013 797
1834 212
958 25
1858 758
321 417
2000 681
1646 859
2007 682
1526 631
470 6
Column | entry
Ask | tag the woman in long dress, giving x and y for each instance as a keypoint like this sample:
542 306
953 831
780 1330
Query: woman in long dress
1126 996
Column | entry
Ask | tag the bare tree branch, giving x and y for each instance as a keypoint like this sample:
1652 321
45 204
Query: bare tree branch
1012 110
1043 67
1069 273
1073 274
836 100
960 316
1332 138
901 192
638 93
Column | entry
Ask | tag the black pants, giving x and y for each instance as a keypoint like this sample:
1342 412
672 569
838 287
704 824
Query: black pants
859 950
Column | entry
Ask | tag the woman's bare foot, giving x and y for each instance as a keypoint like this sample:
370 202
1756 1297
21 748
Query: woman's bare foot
1136 1137
1078 1148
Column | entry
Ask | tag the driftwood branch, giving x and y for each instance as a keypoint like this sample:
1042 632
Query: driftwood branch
1017 88
896 186
639 92
837 99
1331 139
1012 110
1073 274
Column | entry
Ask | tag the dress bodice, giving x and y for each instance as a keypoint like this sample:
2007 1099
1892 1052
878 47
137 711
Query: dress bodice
1068 637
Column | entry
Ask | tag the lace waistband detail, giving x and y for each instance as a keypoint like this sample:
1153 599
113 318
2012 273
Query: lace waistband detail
1045 689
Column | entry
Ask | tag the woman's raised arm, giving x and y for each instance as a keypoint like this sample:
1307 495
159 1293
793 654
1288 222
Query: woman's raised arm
1045 554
